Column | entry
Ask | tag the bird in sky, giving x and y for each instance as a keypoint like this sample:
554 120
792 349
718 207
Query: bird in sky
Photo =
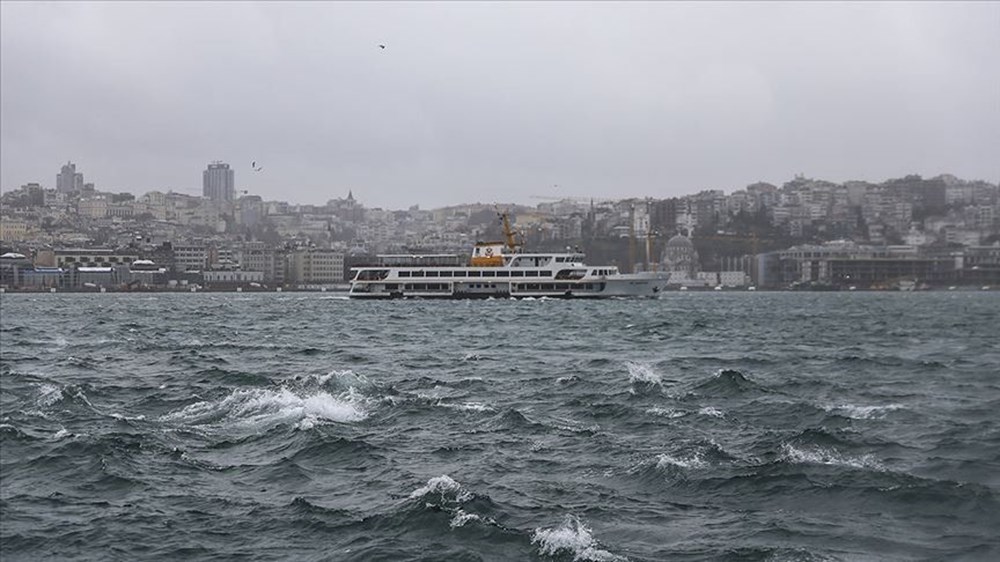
255 167
381 46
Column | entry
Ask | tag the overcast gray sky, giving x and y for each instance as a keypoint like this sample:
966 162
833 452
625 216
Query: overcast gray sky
496 102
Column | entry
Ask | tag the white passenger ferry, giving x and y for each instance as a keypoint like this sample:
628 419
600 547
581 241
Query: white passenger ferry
499 270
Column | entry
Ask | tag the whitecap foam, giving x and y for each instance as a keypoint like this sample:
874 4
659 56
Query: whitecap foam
63 432
711 411
344 379
819 455
666 412
261 409
642 373
863 412
571 538
462 517
122 417
441 485
692 461
48 395
470 407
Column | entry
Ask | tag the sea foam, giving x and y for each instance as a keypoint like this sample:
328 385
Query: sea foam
571 538
819 455
462 517
262 409
863 412
666 412
692 461
48 395
711 411
642 373
442 485
470 407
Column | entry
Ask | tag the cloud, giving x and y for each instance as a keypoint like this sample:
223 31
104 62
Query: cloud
496 101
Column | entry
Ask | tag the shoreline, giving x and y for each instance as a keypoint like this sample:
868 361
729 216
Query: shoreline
345 290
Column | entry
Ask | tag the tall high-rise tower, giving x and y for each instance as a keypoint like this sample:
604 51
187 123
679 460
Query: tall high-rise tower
219 182
68 179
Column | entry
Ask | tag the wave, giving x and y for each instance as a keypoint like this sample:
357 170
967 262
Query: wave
777 554
696 460
571 538
462 517
257 410
48 394
729 382
340 380
863 412
694 455
642 373
506 420
11 431
443 486
831 457
470 407
666 412
711 412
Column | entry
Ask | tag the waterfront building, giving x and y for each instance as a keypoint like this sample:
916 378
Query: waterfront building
42 278
315 266
257 256
190 257
69 258
94 276
845 264
231 278
12 266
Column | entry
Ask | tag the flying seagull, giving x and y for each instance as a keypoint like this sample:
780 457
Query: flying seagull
255 167
381 46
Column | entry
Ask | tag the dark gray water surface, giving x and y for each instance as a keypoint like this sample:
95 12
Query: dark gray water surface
753 426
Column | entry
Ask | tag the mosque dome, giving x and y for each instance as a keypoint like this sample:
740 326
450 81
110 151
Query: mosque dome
680 241
680 256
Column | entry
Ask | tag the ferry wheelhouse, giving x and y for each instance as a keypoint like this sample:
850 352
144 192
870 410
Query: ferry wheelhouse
499 270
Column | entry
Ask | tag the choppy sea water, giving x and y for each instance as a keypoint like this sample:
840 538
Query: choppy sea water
702 426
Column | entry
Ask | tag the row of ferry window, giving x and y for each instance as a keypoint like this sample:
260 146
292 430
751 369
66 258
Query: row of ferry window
475 273
554 286
519 286
601 272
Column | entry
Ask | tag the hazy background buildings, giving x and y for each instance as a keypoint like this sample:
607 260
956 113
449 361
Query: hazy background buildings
938 232
733 143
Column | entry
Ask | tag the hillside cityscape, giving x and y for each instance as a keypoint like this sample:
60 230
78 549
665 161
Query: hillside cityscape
902 233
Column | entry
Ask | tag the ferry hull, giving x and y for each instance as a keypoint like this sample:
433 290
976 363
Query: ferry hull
637 285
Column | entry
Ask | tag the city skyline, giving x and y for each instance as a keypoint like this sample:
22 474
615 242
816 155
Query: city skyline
482 102
218 179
